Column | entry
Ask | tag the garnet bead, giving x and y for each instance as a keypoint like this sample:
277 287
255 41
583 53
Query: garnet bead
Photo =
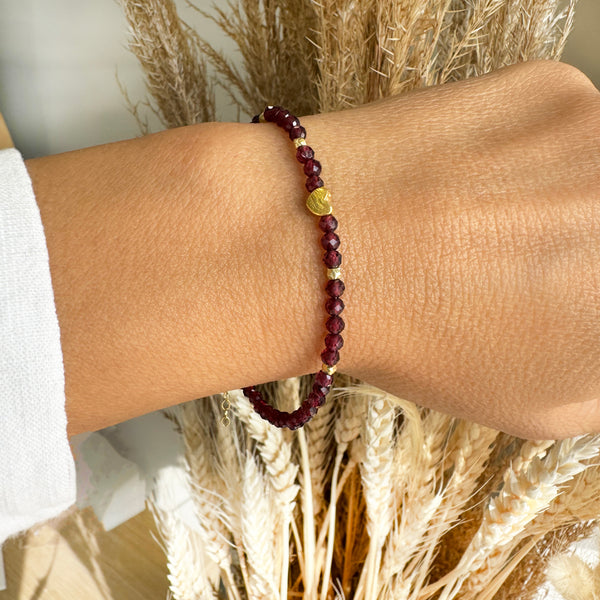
301 415
330 357
332 259
304 153
270 113
290 122
317 402
335 324
330 241
297 132
314 182
334 306
335 288
320 390
312 167
282 117
328 223
323 379
334 341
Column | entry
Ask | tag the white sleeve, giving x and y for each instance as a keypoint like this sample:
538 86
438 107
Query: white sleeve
37 471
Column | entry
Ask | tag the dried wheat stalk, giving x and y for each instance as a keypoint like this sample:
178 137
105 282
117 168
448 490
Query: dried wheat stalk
376 498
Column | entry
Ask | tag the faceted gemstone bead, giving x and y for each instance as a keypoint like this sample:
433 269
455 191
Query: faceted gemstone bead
314 182
316 402
313 409
312 167
297 132
320 390
334 306
323 378
304 153
330 357
330 241
328 223
335 288
335 324
290 122
332 259
282 117
271 112
248 389
334 341
278 419
299 417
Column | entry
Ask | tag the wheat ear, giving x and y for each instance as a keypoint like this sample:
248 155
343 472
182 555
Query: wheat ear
258 534
376 473
523 496
276 453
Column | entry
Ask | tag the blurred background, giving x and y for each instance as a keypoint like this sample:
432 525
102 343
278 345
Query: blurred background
59 69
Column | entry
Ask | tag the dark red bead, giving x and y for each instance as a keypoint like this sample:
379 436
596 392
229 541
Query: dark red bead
282 117
330 357
335 288
328 223
335 324
332 259
299 416
312 167
270 113
297 132
334 341
290 122
248 389
314 182
304 153
320 390
318 401
330 241
314 403
323 378
334 306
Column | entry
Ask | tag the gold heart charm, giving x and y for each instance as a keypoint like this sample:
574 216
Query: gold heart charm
319 202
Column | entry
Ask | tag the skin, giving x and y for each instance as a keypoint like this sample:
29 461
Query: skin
185 263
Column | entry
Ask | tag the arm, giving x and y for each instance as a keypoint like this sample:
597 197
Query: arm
184 263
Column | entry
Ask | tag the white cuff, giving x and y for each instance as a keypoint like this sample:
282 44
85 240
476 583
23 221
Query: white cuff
37 471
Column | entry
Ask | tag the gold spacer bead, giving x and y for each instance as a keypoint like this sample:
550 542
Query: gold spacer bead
319 202
261 118
329 370
299 142
334 273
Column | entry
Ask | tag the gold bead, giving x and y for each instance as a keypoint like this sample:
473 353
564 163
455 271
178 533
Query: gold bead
261 118
334 273
299 142
329 370
319 202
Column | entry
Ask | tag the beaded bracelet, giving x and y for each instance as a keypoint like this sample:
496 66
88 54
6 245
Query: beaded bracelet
319 203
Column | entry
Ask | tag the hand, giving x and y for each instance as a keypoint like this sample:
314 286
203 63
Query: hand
475 246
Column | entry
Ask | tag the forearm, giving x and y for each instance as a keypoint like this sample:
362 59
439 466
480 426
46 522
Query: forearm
185 263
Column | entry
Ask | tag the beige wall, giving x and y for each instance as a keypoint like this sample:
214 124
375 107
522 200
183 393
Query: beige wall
583 46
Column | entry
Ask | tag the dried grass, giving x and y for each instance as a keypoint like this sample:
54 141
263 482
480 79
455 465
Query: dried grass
376 498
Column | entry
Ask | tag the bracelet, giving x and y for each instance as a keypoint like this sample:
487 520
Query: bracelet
319 203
